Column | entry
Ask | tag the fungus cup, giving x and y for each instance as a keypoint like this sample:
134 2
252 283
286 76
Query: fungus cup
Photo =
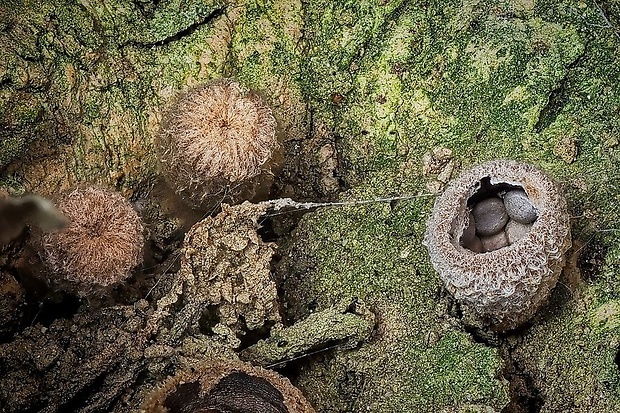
101 244
218 141
506 275
227 387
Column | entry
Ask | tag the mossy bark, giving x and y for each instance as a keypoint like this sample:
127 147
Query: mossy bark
83 86
524 80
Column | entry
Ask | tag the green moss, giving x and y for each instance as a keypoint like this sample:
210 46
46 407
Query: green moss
20 115
11 148
388 80
347 323
106 70
572 354
515 79
12 186
453 366
374 252
481 85
265 50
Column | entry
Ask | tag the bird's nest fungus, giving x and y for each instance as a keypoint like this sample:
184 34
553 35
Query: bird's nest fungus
497 237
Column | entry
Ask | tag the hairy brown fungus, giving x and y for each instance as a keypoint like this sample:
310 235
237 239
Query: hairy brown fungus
234 387
99 246
497 237
218 141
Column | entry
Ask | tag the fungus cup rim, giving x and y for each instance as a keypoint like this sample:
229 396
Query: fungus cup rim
473 177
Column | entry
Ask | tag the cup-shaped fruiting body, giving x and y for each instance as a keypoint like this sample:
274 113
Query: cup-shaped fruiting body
497 237
218 141
99 246
227 387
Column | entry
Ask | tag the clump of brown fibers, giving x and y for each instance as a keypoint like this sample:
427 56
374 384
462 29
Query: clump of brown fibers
217 142
101 244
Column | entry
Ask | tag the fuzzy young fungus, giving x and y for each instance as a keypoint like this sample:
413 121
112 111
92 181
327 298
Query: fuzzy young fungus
101 244
218 141
227 387
501 267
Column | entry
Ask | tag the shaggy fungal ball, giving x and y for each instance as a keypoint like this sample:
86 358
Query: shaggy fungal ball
218 141
101 244
227 387
509 276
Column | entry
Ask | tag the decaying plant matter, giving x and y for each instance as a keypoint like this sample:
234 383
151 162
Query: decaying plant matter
226 267
117 358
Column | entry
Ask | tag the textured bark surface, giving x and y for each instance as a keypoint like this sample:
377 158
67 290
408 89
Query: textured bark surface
372 99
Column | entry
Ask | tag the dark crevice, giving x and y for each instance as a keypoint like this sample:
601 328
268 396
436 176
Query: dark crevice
55 310
479 332
485 189
8 25
6 82
42 305
557 98
323 350
186 32
291 371
524 396
617 358
26 58
80 399
341 165
482 336
266 230
591 260
350 386
209 319
251 337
